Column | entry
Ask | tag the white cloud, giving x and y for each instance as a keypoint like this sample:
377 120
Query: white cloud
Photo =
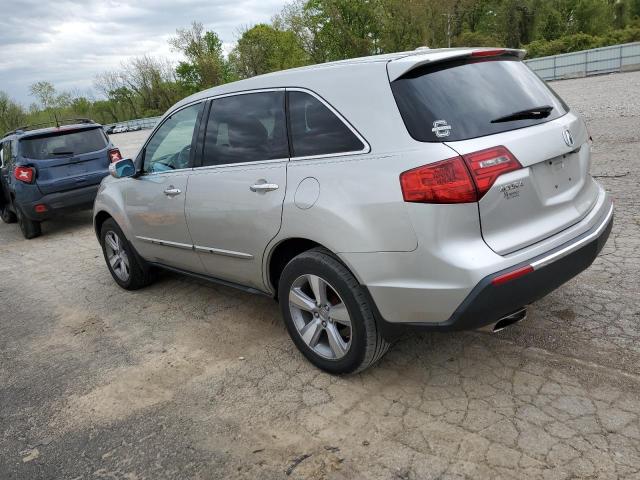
68 42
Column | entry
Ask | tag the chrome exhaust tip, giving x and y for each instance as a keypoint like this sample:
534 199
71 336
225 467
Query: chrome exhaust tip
506 321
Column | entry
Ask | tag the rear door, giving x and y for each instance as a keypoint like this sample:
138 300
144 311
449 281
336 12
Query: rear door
67 159
234 203
477 104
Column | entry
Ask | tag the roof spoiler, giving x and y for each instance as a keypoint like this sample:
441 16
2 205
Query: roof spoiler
397 68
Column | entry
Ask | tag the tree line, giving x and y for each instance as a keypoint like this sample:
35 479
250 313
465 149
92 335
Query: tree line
314 31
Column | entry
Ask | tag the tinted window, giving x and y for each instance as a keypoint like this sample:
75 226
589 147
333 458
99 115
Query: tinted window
459 100
4 153
63 144
170 146
316 130
246 128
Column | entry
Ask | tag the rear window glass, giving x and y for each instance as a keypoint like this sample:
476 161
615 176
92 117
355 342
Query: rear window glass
460 100
63 144
246 128
316 130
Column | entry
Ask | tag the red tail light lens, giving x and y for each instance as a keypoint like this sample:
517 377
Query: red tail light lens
495 52
114 155
24 174
459 179
447 181
487 165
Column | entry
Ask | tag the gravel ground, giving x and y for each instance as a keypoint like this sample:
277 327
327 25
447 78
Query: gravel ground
191 380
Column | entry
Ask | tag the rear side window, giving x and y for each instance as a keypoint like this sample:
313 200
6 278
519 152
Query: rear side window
316 130
463 99
246 128
63 144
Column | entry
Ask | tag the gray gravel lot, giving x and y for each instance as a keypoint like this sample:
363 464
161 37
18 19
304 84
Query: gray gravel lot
191 380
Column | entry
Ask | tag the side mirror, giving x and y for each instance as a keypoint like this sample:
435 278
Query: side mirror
122 168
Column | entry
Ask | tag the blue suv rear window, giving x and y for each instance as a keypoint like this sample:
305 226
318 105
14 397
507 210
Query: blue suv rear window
63 144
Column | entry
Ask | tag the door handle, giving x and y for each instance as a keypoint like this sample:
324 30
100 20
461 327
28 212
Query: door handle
172 191
263 187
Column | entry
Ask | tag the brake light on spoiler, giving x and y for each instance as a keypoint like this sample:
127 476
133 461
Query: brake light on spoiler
494 52
461 179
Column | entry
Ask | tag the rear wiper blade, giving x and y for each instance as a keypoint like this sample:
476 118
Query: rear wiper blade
529 113
61 153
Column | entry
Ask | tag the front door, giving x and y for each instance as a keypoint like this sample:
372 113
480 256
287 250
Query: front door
155 200
234 203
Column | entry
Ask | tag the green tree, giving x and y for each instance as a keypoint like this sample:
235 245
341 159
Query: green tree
44 92
403 25
12 115
263 49
205 66
345 28
593 17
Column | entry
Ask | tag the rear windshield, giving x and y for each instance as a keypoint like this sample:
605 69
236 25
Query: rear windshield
63 144
459 100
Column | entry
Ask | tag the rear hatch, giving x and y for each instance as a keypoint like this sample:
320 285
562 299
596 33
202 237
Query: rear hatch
67 158
539 183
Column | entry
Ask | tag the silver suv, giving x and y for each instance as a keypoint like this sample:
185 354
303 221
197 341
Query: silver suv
434 190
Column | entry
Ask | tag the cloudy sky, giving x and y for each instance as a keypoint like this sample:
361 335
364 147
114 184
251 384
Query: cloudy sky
67 42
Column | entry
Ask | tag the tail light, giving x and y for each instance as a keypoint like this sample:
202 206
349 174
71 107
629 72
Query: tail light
447 181
114 155
494 52
24 174
462 179
487 165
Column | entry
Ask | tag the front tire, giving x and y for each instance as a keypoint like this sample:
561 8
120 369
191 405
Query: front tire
29 228
328 315
126 268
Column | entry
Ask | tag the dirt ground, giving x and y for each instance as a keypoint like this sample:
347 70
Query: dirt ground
189 380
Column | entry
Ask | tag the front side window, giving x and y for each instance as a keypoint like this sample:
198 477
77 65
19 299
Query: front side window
6 153
246 128
316 130
170 147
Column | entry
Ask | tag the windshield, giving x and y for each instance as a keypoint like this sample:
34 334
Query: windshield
462 99
61 144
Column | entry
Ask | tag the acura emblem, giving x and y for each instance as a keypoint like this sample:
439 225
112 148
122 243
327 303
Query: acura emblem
568 138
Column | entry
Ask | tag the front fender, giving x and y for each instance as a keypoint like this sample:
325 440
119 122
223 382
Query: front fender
110 200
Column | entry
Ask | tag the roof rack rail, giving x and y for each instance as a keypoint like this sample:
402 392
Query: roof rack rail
52 123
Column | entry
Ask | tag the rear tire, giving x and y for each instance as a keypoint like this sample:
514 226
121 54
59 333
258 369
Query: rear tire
6 214
127 269
335 330
30 228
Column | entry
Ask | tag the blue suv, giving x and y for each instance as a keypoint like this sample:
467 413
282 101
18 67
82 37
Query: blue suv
48 171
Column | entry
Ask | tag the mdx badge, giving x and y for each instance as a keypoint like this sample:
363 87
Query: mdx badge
568 138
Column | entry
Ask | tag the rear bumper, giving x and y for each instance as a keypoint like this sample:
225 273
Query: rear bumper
60 203
488 302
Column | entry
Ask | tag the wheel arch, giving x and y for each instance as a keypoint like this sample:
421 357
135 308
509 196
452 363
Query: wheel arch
285 250
99 219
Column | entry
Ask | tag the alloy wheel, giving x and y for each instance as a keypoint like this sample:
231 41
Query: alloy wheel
117 256
320 316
